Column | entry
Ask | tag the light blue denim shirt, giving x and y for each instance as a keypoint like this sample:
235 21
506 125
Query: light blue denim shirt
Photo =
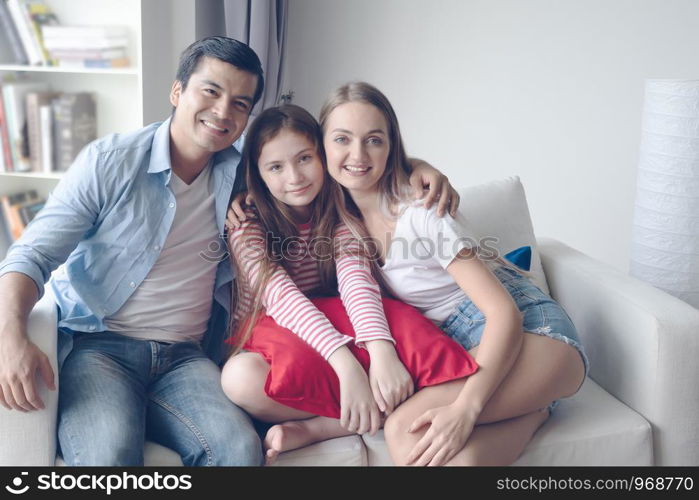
108 219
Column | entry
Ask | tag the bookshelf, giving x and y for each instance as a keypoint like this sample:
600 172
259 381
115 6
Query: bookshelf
127 98
55 69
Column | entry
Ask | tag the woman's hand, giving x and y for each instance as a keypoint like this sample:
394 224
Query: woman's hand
426 176
389 380
450 428
236 213
358 410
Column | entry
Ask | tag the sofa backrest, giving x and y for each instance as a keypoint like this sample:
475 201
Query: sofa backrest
498 209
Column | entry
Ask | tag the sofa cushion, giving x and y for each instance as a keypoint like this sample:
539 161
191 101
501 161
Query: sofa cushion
590 428
499 210
343 451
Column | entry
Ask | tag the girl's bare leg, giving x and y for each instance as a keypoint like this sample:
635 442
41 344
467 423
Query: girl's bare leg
545 370
243 380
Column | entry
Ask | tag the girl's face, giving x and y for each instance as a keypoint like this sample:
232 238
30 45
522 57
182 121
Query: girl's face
292 170
356 146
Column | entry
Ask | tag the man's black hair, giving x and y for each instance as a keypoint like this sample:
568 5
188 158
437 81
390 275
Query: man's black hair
225 49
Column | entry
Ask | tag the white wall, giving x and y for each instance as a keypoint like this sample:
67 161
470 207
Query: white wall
550 90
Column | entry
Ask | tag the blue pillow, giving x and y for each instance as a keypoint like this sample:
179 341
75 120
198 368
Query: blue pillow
521 257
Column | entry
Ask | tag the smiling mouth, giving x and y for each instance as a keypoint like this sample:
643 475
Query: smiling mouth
299 191
214 127
356 170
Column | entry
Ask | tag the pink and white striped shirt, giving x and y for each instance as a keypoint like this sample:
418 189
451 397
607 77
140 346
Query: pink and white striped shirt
284 298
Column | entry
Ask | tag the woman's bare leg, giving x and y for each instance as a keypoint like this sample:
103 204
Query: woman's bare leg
545 370
243 380
499 443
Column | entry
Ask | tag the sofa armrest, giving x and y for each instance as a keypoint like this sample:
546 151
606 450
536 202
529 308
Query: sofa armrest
643 345
30 438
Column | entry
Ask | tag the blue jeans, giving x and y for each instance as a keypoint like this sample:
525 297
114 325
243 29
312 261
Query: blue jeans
541 315
116 392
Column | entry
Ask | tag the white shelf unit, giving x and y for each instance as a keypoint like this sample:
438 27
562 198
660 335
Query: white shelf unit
127 98
55 69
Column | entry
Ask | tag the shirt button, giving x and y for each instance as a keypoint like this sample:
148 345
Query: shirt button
92 328
132 284
172 205
157 247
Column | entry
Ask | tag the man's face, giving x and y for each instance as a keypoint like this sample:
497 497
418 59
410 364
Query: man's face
213 110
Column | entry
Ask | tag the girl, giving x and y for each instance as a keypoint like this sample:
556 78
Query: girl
524 343
287 179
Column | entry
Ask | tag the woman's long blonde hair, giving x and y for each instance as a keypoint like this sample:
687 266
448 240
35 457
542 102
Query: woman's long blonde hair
394 185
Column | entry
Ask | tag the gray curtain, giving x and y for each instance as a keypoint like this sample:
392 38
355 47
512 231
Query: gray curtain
259 23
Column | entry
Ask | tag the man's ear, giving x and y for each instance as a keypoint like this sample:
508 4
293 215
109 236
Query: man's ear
175 92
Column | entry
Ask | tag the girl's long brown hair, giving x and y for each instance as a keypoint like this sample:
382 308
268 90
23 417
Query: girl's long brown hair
276 218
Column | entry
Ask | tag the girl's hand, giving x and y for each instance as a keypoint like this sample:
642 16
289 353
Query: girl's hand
358 410
236 213
450 428
390 382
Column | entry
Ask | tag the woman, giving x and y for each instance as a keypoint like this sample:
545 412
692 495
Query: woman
524 343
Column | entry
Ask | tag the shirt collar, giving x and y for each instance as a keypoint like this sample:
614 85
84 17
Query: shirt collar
160 153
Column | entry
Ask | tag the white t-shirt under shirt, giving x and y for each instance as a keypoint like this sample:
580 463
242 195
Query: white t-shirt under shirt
173 303
422 247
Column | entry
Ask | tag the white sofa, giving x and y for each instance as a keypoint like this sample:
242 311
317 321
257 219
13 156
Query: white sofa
639 405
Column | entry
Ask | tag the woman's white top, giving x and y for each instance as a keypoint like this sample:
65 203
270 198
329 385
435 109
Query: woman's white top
422 247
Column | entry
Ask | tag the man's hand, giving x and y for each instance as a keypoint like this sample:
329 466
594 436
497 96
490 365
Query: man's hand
236 213
426 176
19 361
19 358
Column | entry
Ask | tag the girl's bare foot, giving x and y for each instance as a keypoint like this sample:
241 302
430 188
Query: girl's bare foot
299 433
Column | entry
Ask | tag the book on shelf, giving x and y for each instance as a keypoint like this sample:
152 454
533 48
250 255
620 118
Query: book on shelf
35 125
18 209
10 41
121 62
5 138
74 126
38 14
32 35
3 169
44 130
28 211
14 100
25 31
46 138
119 53
102 46
85 32
108 42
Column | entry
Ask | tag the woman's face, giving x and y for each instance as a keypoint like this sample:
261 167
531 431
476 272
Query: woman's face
292 170
356 146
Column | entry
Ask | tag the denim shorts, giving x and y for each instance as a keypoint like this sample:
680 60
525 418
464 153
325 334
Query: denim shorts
541 315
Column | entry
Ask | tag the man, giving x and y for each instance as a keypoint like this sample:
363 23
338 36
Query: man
143 304
131 219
